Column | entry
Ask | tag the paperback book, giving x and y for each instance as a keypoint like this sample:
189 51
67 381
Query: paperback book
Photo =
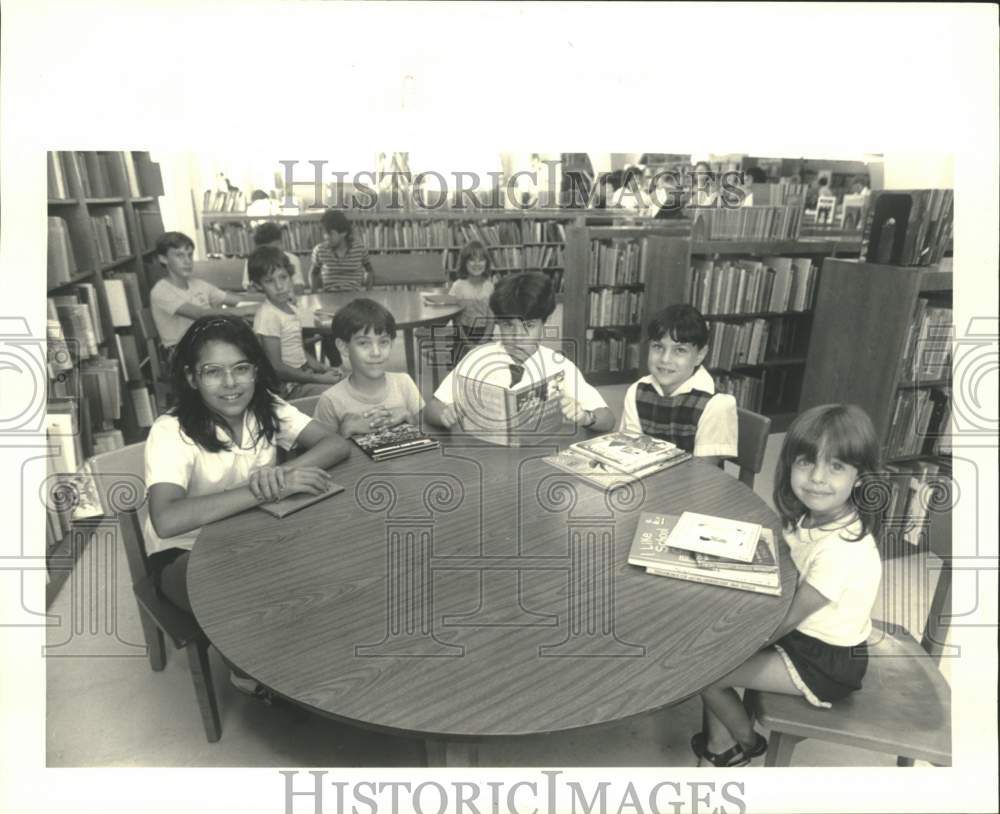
510 415
604 475
392 442
290 505
628 452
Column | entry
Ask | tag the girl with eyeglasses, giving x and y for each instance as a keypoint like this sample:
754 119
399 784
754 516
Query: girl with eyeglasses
216 453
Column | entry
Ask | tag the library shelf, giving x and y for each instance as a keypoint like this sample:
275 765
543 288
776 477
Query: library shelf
104 201
62 202
118 263
75 280
756 315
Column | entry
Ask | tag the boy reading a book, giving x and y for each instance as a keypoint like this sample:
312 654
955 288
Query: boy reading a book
370 398
278 325
677 400
269 234
521 303
179 299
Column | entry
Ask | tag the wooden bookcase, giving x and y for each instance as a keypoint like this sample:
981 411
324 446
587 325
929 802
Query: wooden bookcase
127 191
861 332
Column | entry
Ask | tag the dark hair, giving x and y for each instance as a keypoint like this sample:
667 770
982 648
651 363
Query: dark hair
842 431
682 323
363 315
267 232
333 220
172 240
197 421
527 295
757 175
265 259
258 195
469 250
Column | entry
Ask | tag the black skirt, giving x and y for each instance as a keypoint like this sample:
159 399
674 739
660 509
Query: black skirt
828 671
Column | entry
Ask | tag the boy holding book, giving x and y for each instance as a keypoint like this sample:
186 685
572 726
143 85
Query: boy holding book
278 325
269 234
521 303
677 400
179 299
370 398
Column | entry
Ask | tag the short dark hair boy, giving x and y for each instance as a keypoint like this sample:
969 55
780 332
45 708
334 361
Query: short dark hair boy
525 296
172 240
265 259
266 233
363 315
682 323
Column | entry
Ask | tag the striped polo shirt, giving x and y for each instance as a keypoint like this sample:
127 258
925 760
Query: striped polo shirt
341 272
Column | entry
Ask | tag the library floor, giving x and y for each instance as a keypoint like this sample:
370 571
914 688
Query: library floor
105 707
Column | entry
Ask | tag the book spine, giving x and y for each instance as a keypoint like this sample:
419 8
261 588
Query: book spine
706 579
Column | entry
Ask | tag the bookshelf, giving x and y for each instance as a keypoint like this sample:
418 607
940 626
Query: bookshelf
758 348
103 222
528 240
882 340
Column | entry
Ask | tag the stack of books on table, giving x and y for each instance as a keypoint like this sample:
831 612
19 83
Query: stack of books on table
392 442
711 550
618 457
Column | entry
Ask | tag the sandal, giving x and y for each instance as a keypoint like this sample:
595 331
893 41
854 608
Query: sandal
734 756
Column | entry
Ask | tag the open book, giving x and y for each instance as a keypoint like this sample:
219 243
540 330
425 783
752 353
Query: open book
510 416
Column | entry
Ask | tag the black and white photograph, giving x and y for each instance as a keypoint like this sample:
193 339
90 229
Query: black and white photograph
278 233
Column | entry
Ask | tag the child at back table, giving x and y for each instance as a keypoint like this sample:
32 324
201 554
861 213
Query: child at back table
819 649
473 289
278 323
677 401
521 303
370 398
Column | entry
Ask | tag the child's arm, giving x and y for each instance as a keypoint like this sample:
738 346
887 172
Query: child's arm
598 420
368 280
315 272
287 373
441 414
807 601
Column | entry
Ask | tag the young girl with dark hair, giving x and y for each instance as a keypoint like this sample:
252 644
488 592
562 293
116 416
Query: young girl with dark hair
473 289
819 650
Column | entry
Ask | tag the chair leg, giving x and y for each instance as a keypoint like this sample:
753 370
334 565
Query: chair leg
904 761
780 748
154 642
204 690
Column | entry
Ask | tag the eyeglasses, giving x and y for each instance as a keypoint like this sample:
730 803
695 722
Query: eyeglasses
215 375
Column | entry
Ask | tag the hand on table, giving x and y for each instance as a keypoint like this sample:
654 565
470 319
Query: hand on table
273 483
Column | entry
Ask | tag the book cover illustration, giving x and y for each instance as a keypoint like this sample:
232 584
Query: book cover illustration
730 539
391 442
510 415
628 452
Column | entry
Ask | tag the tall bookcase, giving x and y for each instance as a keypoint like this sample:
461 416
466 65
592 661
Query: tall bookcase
104 219
670 259
882 340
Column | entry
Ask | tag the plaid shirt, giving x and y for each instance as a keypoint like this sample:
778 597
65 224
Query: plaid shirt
670 418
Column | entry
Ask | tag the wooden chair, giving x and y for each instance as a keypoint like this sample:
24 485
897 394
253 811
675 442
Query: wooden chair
904 705
752 444
306 404
119 479
409 269
226 273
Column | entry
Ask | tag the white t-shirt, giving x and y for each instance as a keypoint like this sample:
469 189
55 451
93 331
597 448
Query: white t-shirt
342 398
296 271
475 301
491 363
172 457
718 427
166 298
287 328
845 572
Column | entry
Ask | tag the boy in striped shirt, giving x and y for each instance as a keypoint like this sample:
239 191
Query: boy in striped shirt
339 263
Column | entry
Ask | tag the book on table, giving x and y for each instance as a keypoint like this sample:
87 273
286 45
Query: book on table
651 549
510 415
628 452
290 505
392 442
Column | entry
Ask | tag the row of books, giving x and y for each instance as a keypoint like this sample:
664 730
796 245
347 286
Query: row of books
100 380
907 227
610 352
920 422
96 175
61 265
927 348
747 223
709 550
769 285
911 489
110 235
58 183
747 390
737 343
232 239
125 305
615 262
610 306
219 201
543 256
74 316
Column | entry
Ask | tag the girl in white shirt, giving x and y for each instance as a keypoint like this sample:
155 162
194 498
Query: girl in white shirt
828 459
215 454
473 289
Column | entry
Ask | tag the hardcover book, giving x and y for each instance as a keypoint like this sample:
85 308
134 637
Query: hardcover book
627 452
392 442
290 505
707 534
510 416
603 475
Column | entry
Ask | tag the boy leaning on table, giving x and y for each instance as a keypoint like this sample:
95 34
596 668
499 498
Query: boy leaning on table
677 401
521 303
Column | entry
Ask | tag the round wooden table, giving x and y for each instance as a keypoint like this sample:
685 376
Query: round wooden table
409 309
474 591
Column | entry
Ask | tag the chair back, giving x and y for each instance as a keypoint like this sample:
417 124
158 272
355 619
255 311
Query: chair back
752 443
119 476
939 613
409 268
306 405
226 274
